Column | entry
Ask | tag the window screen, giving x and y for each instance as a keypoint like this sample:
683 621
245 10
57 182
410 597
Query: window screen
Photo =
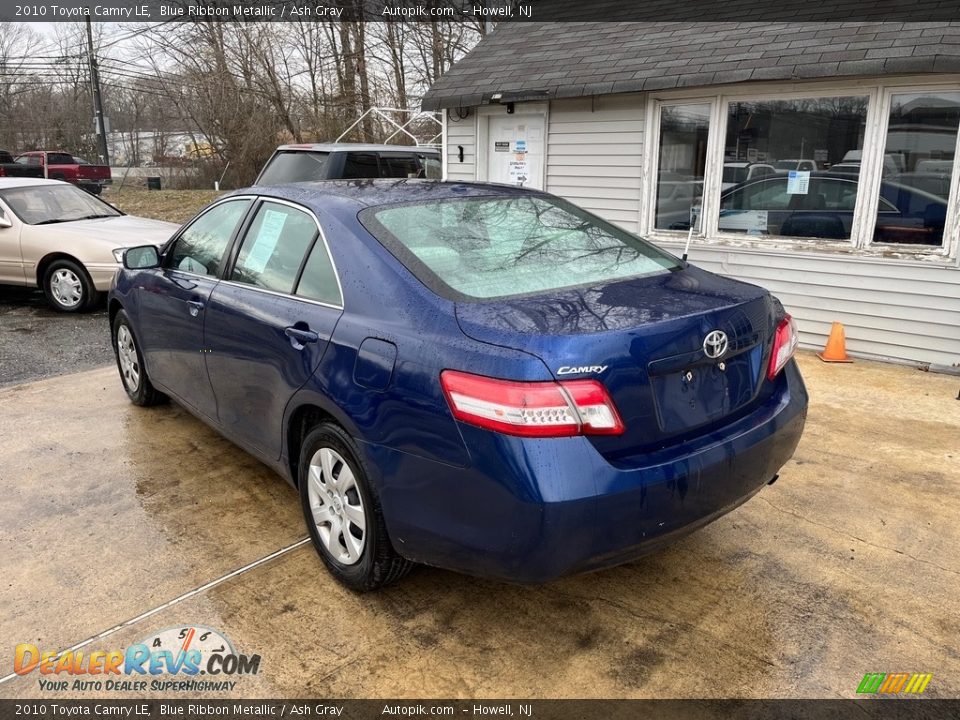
274 247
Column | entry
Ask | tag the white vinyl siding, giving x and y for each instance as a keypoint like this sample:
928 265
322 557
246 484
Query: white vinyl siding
595 155
462 132
890 309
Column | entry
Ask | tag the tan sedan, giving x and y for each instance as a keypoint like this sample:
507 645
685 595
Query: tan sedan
55 236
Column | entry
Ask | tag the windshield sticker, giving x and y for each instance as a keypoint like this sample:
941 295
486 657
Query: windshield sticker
798 182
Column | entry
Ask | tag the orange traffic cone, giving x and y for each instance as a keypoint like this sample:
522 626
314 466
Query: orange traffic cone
836 348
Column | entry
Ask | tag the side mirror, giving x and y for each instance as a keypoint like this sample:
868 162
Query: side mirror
4 220
143 257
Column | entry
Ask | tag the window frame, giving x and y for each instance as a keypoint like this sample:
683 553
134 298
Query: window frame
653 163
226 269
879 93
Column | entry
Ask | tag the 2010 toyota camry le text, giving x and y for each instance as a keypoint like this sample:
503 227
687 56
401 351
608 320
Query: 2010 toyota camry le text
478 377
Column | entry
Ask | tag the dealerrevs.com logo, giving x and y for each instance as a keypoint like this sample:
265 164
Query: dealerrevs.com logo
189 658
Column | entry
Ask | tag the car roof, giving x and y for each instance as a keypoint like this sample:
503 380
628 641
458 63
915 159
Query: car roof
367 193
15 182
361 147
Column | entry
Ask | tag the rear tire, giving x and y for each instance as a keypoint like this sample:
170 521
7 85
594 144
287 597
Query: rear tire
343 514
68 287
133 374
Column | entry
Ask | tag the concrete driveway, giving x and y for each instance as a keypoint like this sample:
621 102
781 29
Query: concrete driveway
124 521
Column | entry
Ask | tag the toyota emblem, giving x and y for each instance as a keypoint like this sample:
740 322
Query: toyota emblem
715 344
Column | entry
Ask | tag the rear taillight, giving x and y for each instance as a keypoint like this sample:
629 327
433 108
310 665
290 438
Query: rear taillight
531 409
2 172
784 344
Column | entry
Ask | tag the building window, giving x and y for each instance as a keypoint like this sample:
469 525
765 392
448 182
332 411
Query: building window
917 168
682 159
791 167
843 164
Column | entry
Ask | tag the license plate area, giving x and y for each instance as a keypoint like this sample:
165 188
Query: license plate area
705 391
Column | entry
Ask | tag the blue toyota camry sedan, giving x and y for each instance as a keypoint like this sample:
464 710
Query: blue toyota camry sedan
478 377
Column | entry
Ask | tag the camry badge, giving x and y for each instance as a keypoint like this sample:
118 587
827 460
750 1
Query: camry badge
568 370
715 344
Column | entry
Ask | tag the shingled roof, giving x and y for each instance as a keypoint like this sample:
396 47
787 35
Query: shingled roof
528 61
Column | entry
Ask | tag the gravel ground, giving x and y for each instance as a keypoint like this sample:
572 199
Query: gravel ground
37 342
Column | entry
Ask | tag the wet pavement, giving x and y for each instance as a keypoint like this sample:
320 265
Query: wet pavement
849 564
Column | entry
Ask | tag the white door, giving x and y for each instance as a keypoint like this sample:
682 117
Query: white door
515 150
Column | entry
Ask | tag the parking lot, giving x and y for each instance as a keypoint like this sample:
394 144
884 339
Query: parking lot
123 521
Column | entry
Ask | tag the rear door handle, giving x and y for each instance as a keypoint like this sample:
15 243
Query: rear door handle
299 337
194 306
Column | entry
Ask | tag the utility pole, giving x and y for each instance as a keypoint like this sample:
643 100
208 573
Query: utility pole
97 101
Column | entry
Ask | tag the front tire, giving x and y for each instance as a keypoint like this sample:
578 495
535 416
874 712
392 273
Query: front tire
68 287
133 374
342 513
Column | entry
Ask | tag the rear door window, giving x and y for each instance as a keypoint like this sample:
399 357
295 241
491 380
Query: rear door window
274 247
361 165
399 165
432 169
319 279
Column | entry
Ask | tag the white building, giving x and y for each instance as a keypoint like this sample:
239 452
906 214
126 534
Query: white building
817 160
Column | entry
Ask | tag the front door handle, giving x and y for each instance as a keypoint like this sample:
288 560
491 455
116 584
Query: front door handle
300 337
194 306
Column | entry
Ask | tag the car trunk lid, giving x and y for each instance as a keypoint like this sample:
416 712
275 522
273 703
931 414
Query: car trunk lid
643 338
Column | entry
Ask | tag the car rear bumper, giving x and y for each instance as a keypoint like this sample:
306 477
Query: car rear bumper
529 510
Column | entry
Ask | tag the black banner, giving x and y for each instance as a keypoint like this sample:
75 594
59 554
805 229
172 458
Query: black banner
885 709
687 11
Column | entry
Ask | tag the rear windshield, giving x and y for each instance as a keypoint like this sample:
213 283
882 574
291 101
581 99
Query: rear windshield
289 167
496 247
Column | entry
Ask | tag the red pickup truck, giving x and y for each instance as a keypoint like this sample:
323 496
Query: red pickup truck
64 166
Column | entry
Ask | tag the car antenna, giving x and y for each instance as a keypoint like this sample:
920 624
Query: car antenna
686 248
